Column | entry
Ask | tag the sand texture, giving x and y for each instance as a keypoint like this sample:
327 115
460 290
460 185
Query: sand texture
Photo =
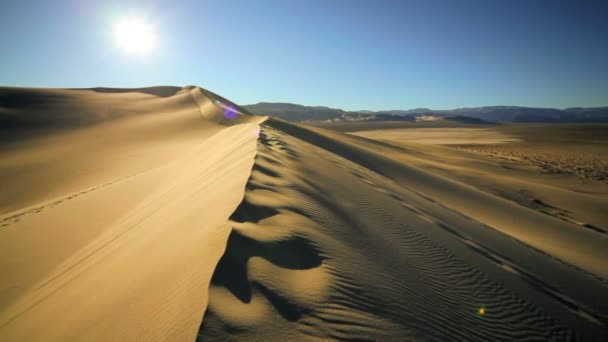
336 241
121 222
181 217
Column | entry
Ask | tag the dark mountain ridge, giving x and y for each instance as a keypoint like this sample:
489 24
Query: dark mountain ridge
515 114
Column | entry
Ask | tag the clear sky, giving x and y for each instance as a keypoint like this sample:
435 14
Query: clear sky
348 54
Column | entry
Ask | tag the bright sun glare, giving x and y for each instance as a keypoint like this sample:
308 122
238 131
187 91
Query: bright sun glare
135 36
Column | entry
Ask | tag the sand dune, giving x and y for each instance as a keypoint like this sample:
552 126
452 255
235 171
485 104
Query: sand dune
557 170
181 220
121 221
326 246
440 136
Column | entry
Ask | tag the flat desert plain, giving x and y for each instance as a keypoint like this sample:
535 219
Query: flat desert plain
172 214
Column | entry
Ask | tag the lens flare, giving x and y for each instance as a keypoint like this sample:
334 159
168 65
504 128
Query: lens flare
230 113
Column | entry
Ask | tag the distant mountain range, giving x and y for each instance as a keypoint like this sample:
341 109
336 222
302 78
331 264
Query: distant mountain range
294 112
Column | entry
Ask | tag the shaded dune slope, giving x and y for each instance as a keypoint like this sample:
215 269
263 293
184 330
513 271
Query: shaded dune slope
112 221
561 239
135 214
335 241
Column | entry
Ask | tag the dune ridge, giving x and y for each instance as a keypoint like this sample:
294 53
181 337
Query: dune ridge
171 213
325 246
121 239
522 223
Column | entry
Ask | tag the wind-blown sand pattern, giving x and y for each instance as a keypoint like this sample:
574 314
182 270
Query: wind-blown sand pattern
557 170
127 251
322 248
195 220
441 136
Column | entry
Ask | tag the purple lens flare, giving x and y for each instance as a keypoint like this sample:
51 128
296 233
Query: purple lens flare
230 112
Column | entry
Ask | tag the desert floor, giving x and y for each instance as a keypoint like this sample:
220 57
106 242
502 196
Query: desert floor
172 214
558 169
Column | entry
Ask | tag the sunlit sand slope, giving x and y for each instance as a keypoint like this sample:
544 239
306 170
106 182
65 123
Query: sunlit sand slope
113 225
557 170
334 240
165 214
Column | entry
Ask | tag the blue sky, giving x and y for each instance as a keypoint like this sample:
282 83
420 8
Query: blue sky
348 54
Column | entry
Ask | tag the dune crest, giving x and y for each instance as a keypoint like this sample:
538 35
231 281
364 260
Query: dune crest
120 240
171 213
326 246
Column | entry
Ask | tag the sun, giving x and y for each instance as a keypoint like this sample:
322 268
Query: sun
135 36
